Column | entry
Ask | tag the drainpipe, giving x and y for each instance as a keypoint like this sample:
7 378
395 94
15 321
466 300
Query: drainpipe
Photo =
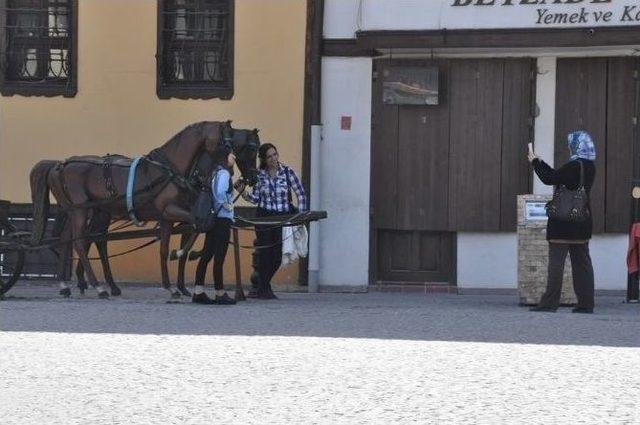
314 200
311 136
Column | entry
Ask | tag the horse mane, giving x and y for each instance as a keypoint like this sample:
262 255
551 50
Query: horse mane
176 137
198 126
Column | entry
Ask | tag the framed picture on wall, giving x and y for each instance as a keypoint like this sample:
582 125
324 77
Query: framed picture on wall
410 85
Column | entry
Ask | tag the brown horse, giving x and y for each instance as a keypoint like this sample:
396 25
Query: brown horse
98 225
163 191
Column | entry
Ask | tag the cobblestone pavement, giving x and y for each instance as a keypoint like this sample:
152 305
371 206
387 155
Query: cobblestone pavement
315 359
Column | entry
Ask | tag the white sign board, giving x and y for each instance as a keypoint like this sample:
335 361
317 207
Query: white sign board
534 211
494 14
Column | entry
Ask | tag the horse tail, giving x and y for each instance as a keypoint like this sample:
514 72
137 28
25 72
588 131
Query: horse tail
40 198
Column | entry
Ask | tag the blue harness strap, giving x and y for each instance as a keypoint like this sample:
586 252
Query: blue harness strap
130 185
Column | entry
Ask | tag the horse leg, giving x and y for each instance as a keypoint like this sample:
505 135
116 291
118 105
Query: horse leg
186 243
78 230
64 258
101 226
82 282
165 236
177 215
170 214
106 267
181 266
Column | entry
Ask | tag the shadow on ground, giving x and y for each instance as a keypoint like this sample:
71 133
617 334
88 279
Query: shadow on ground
436 317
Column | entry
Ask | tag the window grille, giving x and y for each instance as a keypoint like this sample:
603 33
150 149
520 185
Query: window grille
195 49
38 47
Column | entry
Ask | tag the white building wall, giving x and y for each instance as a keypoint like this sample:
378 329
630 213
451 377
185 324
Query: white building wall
345 173
490 260
487 260
609 257
340 18
546 119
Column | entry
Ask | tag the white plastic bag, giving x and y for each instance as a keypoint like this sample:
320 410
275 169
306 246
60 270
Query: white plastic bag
295 241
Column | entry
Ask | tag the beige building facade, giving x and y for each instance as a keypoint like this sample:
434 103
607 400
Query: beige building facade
117 108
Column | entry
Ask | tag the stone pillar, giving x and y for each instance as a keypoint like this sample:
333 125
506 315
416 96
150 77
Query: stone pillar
533 253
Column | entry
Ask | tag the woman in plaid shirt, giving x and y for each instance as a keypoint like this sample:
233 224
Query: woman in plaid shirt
272 195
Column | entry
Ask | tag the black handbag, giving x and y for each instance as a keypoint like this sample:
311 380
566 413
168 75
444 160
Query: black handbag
203 213
570 205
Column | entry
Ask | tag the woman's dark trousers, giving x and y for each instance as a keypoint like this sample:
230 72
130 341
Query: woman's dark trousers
216 243
268 255
581 268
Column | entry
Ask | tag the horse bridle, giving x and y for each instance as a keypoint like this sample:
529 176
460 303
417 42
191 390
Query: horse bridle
227 141
251 143
190 181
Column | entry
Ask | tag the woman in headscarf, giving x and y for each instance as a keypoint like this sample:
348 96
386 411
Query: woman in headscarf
565 236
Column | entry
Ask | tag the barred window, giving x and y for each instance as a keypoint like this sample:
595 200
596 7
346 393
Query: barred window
38 47
195 49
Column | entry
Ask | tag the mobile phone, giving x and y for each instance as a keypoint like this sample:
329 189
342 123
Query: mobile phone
530 147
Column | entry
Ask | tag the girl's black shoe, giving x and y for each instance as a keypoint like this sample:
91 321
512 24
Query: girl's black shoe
224 299
543 309
582 310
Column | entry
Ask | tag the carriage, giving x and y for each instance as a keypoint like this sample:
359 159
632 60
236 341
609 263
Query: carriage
164 193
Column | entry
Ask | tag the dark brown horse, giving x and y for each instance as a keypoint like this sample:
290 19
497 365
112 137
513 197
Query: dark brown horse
163 191
100 221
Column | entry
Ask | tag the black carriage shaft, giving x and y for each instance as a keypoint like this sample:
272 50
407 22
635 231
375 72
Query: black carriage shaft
12 244
277 220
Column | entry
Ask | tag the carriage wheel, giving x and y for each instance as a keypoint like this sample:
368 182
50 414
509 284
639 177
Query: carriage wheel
11 259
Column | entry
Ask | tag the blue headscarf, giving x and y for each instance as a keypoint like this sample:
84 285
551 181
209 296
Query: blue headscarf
581 145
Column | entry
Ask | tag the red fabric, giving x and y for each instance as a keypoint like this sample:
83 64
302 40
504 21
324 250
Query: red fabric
633 253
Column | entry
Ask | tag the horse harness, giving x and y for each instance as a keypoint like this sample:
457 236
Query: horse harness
149 191
160 160
107 174
192 183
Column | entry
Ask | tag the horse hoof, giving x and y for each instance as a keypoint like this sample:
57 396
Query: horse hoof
175 295
65 292
115 291
103 295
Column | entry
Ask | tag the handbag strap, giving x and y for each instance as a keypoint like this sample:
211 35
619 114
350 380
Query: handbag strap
581 175
286 170
581 184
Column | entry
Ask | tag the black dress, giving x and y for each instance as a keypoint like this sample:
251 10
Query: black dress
568 175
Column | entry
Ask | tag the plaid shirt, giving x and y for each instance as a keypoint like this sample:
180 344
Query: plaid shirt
273 193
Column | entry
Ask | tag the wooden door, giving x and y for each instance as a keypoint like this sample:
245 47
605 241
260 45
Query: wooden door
410 175
455 166
600 95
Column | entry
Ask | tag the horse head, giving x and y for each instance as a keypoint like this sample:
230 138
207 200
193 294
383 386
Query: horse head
243 142
216 133
245 146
